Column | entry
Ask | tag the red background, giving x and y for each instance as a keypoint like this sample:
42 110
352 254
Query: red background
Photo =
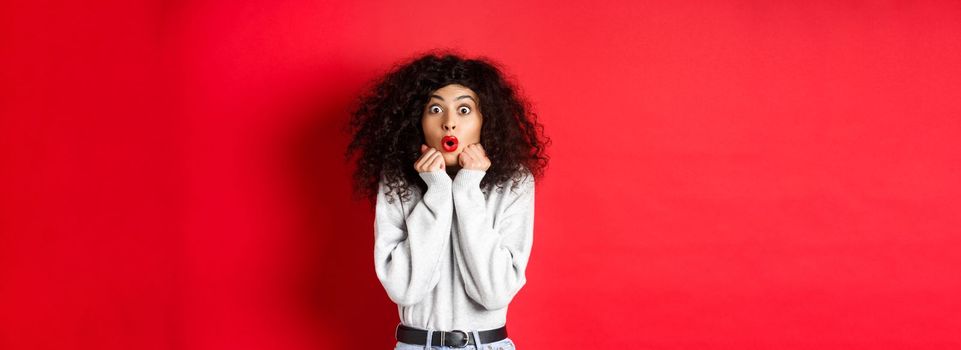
772 175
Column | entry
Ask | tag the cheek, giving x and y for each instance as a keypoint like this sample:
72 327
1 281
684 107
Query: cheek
474 132
427 121
428 129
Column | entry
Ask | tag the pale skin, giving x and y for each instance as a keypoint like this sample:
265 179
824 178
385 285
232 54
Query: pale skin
452 110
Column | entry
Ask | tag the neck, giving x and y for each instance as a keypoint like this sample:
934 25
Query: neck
452 170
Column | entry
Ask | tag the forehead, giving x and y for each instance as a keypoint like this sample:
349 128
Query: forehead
454 90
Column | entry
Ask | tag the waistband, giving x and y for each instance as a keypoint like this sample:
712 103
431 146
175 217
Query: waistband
453 338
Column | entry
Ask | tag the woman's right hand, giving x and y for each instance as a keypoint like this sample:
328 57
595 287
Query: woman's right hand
430 160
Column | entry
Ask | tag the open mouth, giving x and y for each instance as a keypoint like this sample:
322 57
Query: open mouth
449 143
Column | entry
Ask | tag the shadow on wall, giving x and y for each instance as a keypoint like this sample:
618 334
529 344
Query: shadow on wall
335 294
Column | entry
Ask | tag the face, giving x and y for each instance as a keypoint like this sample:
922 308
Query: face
452 111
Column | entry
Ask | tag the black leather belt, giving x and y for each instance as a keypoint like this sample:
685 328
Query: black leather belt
455 338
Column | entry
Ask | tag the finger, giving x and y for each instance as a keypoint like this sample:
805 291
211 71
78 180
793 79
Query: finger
424 159
480 155
436 160
433 157
423 148
468 159
474 153
420 161
480 149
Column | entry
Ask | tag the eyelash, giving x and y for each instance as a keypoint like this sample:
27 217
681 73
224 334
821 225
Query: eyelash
430 109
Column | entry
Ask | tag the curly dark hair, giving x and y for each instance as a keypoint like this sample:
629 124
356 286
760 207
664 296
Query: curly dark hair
385 123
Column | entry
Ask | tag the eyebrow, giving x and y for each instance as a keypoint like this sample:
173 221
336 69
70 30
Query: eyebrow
458 98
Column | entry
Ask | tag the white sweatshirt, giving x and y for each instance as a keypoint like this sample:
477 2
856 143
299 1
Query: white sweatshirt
455 256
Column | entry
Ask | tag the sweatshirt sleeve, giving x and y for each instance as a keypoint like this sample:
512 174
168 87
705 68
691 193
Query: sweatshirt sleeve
492 260
408 249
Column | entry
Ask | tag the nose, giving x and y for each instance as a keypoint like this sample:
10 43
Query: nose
449 123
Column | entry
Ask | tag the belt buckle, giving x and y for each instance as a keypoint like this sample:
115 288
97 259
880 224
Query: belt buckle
466 339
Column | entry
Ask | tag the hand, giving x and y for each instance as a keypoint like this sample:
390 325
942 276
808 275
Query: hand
430 160
474 157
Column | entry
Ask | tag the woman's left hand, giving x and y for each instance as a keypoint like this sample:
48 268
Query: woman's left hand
474 157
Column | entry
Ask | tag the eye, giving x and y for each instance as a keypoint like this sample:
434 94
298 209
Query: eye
464 109
435 109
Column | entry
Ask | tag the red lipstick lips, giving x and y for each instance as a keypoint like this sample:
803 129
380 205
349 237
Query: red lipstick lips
449 143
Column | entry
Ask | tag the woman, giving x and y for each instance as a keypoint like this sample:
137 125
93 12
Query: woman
448 156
